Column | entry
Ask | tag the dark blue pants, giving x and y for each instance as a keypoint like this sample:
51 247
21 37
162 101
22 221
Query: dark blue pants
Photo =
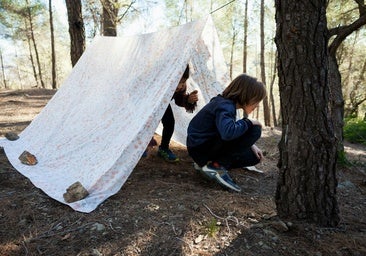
235 153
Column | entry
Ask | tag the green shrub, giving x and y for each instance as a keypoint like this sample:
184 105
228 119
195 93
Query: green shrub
342 158
355 131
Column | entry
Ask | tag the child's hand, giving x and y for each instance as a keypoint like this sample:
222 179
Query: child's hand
257 152
193 97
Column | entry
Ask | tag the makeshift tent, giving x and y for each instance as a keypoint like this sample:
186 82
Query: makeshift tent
96 127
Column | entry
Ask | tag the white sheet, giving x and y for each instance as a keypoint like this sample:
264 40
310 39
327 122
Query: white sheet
96 127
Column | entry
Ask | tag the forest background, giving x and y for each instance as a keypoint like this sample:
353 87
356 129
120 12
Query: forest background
285 44
246 31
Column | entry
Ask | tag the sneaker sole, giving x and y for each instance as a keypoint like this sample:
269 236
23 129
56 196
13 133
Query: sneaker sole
208 173
171 161
203 174
252 169
224 183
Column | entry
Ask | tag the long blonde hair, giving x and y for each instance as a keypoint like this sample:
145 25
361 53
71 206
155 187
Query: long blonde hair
245 90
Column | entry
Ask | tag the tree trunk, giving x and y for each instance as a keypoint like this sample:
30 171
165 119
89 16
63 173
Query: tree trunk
30 54
233 41
336 100
306 187
30 20
266 111
53 54
96 17
3 69
110 12
18 69
245 43
356 98
271 97
334 77
76 29
347 81
351 85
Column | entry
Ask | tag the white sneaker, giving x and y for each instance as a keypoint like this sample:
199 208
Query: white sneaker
220 174
252 169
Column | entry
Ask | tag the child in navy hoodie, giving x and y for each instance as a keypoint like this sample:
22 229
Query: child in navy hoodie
217 140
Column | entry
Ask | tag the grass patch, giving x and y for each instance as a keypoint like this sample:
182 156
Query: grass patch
355 131
212 228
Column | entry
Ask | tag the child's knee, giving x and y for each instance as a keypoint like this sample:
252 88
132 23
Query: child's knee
256 131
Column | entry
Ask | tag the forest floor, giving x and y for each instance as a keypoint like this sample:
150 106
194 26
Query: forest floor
168 209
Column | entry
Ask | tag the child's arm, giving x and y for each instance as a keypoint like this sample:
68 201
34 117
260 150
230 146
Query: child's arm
227 125
185 100
226 121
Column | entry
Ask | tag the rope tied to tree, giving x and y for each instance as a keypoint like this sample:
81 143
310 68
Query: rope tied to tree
222 6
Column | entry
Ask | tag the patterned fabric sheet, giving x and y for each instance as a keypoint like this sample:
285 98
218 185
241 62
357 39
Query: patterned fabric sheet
96 127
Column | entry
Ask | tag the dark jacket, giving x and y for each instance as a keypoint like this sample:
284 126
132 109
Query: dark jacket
216 120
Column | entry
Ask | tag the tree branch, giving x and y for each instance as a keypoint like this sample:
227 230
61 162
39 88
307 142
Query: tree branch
130 6
341 32
361 6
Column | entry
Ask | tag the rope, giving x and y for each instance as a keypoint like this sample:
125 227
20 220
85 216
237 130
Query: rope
222 6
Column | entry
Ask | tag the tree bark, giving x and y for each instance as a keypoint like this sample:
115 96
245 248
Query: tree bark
110 12
76 29
336 100
306 187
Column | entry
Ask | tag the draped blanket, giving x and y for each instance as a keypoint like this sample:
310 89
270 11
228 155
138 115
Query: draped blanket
96 127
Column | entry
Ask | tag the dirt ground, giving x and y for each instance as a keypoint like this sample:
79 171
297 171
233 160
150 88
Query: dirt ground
168 209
